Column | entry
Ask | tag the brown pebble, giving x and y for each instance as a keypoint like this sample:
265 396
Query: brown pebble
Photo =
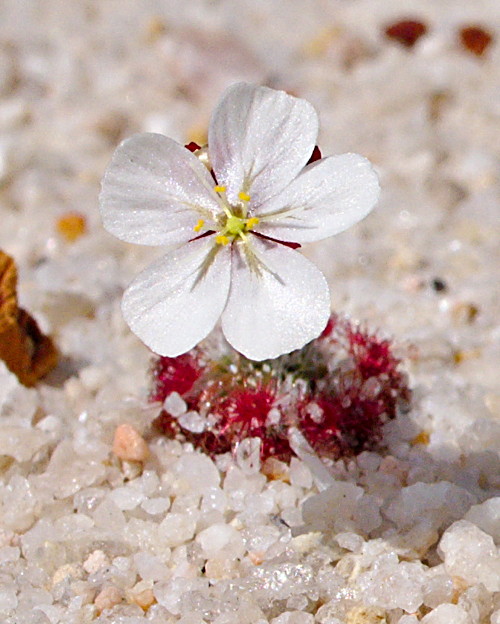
129 445
423 438
365 615
112 127
155 29
475 39
438 103
459 586
464 313
406 32
276 470
462 355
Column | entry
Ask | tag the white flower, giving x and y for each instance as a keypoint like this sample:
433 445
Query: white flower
229 226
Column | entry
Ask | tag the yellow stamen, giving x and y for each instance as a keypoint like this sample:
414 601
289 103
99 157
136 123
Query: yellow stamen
220 189
251 222
199 225
221 239
244 196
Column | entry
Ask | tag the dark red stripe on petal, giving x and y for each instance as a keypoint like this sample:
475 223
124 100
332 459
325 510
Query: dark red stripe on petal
207 233
275 240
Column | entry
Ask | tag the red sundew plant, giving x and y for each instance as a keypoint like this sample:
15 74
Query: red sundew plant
338 391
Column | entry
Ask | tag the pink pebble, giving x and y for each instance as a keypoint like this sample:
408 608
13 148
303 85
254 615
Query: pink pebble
129 445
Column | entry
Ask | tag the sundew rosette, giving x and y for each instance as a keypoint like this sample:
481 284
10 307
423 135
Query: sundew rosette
233 216
338 391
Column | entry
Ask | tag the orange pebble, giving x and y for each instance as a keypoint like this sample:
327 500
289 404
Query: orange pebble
71 226
107 598
129 445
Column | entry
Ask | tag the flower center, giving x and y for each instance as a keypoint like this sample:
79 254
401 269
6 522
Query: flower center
234 227
235 224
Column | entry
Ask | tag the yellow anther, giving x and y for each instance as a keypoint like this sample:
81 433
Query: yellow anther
221 239
251 222
220 189
244 196
199 225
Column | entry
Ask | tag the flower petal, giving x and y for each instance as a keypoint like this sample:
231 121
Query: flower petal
155 191
326 198
278 305
176 302
259 139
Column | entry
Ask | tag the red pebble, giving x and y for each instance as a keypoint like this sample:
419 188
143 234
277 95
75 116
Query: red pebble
406 32
475 39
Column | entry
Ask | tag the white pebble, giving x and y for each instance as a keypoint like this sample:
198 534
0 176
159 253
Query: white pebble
471 554
273 417
293 617
350 541
8 598
315 412
154 506
446 614
198 471
176 529
248 455
408 619
391 584
150 568
21 443
437 503
95 561
495 617
300 475
109 517
68 570
9 553
437 589
214 499
486 516
192 421
174 404
126 498
149 482
221 541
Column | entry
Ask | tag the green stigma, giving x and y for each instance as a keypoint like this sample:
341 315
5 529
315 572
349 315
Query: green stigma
235 225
